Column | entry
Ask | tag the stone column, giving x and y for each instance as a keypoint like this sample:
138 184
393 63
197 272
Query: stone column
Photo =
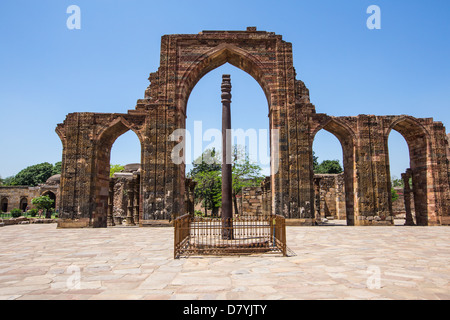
130 189
227 204
136 199
407 197
110 218
317 198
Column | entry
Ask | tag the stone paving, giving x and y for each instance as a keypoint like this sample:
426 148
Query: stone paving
330 262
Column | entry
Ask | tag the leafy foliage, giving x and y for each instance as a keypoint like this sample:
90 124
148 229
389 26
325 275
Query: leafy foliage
15 213
329 166
206 172
57 168
394 195
8 181
32 212
115 168
43 202
245 173
33 175
396 182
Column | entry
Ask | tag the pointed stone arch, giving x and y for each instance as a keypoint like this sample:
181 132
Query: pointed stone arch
347 138
184 58
418 141
106 137
214 58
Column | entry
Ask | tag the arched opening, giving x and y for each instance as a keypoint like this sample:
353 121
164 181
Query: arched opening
125 165
52 196
417 142
104 190
224 53
250 130
328 177
4 204
333 180
23 204
399 165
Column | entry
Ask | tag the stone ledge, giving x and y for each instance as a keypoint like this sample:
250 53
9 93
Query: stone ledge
301 222
68 223
445 220
155 223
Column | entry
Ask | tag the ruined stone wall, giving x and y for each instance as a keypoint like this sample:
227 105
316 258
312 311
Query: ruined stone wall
252 201
398 206
88 137
120 202
332 195
14 195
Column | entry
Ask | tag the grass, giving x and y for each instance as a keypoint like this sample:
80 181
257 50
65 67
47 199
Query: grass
6 216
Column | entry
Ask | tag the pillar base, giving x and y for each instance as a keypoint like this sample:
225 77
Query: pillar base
301 222
69 223
374 221
130 221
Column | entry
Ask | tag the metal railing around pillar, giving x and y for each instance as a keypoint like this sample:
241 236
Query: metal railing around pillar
239 235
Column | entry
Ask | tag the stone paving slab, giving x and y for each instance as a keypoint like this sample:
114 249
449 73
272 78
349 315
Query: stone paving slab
330 262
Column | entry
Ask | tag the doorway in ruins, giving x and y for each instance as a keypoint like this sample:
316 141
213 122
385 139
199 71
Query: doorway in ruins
4 205
407 145
118 189
333 153
250 135
52 196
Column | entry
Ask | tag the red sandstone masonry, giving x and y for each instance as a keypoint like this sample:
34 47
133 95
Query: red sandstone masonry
87 139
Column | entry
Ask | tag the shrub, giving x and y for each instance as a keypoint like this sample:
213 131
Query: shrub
394 195
15 213
33 212
199 213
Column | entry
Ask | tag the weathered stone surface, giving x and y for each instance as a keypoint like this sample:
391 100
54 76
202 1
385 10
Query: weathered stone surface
88 137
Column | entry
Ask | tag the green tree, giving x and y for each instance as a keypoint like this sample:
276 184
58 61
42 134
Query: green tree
209 190
208 161
315 161
57 168
206 172
115 168
329 166
245 173
8 181
43 203
394 195
33 175
15 213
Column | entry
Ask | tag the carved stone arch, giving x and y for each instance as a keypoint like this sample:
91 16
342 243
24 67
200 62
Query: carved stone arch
418 140
347 138
215 58
108 134
105 139
405 121
337 127
268 59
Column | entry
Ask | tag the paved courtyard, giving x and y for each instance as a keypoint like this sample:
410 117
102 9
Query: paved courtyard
330 262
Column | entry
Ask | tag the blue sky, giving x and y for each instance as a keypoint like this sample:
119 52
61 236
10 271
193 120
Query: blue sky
48 71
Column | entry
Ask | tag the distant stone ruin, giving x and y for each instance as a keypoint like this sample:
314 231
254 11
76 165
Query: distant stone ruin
87 139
